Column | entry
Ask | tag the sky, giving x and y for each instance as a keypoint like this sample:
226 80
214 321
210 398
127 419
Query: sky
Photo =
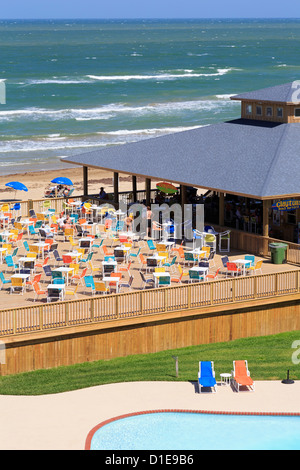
103 9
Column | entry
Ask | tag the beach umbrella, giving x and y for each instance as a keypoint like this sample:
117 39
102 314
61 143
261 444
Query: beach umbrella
167 188
17 186
62 180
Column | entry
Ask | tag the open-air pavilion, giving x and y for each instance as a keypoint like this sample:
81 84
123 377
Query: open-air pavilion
252 157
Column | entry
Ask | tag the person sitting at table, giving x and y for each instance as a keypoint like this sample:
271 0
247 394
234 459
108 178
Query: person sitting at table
47 230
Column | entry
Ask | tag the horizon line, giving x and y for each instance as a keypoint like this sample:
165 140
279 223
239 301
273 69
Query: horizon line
158 18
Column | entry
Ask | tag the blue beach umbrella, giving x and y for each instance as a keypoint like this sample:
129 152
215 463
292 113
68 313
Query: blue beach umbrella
62 180
17 186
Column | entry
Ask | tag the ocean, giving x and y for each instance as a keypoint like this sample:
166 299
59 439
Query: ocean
74 86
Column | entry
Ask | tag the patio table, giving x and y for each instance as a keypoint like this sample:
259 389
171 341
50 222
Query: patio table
200 269
108 279
243 263
41 246
158 275
56 287
24 278
66 270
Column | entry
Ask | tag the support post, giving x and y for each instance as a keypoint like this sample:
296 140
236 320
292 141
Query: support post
183 202
85 181
134 189
116 188
148 191
221 209
266 206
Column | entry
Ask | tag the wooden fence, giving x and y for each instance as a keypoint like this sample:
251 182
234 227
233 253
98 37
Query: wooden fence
38 317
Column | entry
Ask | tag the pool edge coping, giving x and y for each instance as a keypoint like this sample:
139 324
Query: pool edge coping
137 413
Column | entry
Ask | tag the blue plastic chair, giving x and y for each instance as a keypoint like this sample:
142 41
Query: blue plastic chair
206 375
151 245
251 259
32 230
10 262
3 280
26 246
89 283
57 280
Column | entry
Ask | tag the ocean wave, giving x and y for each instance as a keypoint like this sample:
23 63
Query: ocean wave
159 76
99 139
112 110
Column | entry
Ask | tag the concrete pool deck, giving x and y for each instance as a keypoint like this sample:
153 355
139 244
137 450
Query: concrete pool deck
63 421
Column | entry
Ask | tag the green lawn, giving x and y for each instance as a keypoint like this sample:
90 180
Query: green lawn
269 358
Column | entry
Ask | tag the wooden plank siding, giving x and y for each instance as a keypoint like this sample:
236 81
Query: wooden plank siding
150 333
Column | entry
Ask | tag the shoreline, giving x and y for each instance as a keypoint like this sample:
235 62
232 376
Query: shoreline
38 181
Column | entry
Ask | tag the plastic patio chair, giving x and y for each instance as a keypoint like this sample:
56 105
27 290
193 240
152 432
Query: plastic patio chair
206 375
241 376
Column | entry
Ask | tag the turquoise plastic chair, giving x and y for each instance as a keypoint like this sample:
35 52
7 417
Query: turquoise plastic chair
3 280
26 246
164 281
172 262
10 262
151 245
58 280
195 275
89 283
251 258
189 257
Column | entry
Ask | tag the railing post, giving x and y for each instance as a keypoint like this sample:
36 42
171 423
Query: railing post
141 303
189 296
92 309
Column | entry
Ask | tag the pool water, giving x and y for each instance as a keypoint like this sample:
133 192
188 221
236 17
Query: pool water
198 431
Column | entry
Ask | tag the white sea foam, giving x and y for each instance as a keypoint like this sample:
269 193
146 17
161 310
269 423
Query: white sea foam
99 139
111 110
160 76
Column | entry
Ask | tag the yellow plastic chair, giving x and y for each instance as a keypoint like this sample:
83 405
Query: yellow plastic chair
161 247
100 287
17 283
72 291
257 267
92 268
75 267
159 270
8 247
73 243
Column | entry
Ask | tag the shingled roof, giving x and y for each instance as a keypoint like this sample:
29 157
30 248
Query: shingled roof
286 93
245 157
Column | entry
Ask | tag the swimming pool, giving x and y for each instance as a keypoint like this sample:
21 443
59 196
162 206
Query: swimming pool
196 430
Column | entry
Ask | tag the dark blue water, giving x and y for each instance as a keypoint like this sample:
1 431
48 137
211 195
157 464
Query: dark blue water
73 86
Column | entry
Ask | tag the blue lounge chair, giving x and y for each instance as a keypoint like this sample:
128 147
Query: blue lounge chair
206 375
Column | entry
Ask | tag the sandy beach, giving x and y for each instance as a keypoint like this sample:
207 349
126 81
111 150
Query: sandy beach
37 182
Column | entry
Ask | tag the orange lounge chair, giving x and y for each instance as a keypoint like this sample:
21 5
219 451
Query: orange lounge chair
241 376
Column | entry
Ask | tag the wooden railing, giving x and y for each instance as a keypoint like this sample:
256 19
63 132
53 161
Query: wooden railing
139 303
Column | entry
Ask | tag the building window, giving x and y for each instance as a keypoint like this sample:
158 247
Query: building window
249 109
258 110
297 112
280 112
269 111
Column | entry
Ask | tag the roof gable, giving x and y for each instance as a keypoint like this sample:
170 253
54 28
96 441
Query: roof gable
286 93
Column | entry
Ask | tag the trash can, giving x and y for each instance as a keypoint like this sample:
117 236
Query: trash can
278 252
